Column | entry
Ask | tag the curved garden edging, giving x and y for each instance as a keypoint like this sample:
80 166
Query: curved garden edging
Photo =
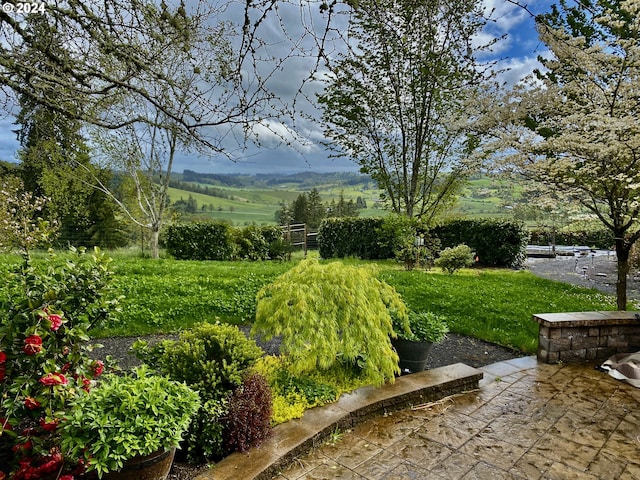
296 437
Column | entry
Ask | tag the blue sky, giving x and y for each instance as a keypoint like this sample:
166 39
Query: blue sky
519 52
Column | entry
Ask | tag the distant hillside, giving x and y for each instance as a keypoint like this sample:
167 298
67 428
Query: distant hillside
245 199
303 180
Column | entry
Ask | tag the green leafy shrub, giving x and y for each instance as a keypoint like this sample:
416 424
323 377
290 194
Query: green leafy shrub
330 313
127 416
260 243
411 241
200 241
453 259
212 359
354 237
495 242
251 244
423 327
204 439
248 421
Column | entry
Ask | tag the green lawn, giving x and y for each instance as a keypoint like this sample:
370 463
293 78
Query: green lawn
495 305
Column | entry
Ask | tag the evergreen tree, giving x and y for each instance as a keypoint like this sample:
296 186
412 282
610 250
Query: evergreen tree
55 161
300 209
316 209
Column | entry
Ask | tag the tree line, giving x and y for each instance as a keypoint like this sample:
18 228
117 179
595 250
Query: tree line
309 209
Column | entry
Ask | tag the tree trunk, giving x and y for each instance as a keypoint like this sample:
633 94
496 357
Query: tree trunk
155 236
622 252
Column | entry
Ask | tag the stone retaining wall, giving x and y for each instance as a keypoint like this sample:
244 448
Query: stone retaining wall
586 336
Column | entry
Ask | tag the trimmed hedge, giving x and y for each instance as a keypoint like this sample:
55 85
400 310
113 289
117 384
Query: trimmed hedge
599 238
220 241
200 241
354 237
497 243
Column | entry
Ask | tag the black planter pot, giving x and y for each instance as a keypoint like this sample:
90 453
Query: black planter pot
413 355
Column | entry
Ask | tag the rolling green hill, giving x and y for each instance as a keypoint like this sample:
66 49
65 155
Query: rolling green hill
254 199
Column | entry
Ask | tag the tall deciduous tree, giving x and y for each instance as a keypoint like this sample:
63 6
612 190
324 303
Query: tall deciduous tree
52 148
398 102
575 125
200 82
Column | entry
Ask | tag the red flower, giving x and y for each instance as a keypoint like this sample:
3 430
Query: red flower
52 463
3 476
56 321
32 345
22 446
3 357
97 367
65 368
63 477
86 384
52 379
31 403
4 424
48 426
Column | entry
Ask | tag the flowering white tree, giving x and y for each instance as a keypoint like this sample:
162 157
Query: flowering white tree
575 125
21 222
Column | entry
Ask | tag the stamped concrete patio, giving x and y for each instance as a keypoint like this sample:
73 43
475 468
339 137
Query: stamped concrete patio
528 420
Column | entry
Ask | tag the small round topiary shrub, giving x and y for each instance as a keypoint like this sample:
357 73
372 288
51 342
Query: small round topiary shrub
454 258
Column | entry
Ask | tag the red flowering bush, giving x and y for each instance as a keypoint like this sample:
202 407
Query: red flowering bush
46 311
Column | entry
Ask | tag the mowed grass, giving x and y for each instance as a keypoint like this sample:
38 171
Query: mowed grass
495 305
166 295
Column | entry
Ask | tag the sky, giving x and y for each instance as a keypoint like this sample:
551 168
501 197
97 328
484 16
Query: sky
518 53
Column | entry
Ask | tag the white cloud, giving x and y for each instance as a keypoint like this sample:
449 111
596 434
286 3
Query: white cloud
517 52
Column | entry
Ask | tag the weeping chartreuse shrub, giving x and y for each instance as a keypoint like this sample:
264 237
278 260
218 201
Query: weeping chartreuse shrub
329 313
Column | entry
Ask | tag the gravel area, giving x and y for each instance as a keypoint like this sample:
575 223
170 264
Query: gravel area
591 270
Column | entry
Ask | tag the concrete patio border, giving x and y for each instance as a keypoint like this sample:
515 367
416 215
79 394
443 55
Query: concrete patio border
296 437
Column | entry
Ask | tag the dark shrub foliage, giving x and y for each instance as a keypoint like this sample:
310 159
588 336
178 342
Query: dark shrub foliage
220 241
248 421
200 241
497 243
260 243
598 238
354 237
